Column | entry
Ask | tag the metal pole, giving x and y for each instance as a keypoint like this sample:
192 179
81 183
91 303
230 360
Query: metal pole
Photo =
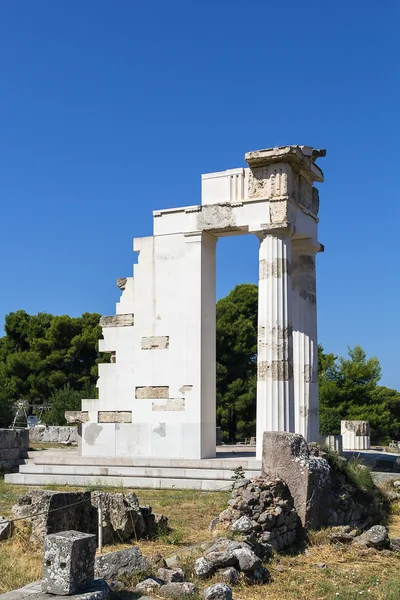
100 519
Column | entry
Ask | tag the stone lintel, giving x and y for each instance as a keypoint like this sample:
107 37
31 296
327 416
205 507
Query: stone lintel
76 416
150 392
116 416
117 321
301 159
171 405
155 342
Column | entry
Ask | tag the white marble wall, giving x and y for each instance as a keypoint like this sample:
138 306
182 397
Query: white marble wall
157 395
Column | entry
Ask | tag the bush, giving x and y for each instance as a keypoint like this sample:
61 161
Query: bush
66 399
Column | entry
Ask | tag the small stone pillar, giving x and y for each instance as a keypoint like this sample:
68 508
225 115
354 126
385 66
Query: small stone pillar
275 344
355 435
68 562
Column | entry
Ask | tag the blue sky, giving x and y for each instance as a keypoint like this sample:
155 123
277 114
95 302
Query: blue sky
109 110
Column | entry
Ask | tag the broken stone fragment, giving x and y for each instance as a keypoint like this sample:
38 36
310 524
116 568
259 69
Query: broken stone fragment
218 591
242 525
203 568
171 575
6 529
122 562
375 537
258 576
230 575
247 559
177 590
149 585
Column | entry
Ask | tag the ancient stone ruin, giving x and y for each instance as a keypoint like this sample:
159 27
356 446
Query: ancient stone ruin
123 518
157 396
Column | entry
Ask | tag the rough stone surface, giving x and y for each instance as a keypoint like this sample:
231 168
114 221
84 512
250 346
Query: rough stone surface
68 562
54 434
123 562
222 559
76 416
117 321
258 576
123 518
203 568
230 575
171 575
342 534
247 560
149 585
242 525
98 590
395 544
115 416
58 511
267 505
6 529
177 590
218 591
375 537
14 444
287 455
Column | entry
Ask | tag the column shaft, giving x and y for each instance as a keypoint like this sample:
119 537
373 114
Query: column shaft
275 410
305 344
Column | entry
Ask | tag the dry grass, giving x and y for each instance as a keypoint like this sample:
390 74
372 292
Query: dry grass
350 573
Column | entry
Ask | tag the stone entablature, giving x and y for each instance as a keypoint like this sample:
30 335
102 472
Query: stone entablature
162 338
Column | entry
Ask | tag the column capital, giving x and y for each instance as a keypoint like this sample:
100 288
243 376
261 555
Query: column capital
306 246
279 230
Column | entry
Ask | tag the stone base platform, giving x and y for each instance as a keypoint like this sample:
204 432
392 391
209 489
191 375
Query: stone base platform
98 591
66 467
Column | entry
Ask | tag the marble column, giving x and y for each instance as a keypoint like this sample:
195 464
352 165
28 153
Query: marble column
275 408
305 344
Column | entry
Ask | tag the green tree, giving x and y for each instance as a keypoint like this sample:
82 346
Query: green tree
348 389
40 354
65 399
237 362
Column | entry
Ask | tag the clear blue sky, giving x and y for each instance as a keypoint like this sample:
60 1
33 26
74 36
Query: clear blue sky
109 110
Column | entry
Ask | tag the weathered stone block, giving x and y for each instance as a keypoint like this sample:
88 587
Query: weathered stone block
117 321
152 392
171 405
68 563
76 416
58 511
155 342
287 456
116 416
123 562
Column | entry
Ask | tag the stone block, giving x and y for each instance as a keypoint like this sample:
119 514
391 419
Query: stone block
58 511
116 416
99 590
76 416
287 456
171 405
152 392
117 321
155 342
123 562
68 562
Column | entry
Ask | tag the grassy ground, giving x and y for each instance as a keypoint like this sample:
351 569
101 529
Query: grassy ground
349 573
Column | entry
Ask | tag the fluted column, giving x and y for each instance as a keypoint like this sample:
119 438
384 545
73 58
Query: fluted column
305 343
275 409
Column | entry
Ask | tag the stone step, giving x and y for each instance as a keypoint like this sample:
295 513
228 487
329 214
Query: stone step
158 463
37 479
122 471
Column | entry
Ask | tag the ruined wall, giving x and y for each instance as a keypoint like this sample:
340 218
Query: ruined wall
53 435
14 444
